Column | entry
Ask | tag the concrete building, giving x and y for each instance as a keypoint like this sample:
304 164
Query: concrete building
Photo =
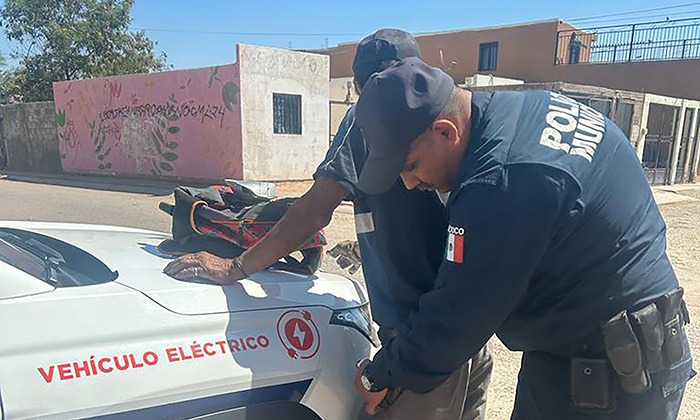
275 84
263 118
654 57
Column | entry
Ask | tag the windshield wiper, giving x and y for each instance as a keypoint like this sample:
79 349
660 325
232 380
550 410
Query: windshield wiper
52 259
76 266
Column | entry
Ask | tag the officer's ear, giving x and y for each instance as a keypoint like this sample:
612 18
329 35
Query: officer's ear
445 131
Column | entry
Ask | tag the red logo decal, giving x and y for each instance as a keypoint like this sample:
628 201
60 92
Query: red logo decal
298 333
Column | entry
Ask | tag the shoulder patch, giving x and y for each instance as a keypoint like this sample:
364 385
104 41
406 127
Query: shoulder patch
454 251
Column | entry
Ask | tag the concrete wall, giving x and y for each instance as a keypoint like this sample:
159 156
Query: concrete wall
29 133
183 123
264 71
677 78
527 52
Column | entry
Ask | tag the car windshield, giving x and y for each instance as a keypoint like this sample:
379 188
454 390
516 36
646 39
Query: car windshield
48 259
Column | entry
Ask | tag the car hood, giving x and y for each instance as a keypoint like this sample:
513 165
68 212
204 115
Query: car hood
134 254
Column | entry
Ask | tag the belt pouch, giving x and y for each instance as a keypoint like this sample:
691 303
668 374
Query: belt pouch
651 334
625 354
592 388
670 309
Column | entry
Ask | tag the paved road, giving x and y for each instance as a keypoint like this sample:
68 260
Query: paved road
83 202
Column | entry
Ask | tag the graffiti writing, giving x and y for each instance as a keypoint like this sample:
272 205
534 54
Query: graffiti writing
168 110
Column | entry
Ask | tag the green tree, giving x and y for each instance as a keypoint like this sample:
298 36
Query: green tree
11 83
74 39
8 81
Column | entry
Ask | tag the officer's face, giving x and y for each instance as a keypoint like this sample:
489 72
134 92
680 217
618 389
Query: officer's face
433 160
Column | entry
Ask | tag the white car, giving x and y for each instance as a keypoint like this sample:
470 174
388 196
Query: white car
91 327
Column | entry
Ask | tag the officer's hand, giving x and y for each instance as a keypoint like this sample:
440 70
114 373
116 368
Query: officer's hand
204 265
372 399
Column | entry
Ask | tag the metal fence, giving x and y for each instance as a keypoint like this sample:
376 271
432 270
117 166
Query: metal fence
651 41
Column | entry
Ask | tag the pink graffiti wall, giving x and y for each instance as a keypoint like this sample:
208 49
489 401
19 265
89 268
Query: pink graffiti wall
176 124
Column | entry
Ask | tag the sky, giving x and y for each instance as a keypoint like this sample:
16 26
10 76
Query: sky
205 32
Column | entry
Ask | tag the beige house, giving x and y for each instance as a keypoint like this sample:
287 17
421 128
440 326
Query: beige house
655 57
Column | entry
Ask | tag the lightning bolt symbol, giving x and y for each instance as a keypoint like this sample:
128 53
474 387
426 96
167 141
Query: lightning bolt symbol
299 334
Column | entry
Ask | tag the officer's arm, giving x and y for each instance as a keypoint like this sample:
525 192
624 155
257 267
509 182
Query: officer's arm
334 181
507 228
311 212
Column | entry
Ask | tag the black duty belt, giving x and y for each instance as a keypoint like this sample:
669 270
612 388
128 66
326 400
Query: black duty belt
626 349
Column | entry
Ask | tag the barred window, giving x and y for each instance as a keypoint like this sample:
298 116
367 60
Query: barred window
286 111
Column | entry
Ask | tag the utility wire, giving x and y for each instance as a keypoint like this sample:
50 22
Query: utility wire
189 31
612 22
654 9
619 17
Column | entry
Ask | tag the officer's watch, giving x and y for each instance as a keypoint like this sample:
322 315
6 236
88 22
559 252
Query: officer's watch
367 382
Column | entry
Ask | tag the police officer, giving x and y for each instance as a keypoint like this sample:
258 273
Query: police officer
554 242
402 239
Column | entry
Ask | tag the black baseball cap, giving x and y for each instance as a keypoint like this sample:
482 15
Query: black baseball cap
396 106
385 44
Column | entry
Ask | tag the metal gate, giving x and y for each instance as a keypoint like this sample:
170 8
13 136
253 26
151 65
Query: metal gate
694 155
623 117
681 175
658 143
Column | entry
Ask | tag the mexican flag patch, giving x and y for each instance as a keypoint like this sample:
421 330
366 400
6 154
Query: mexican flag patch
454 252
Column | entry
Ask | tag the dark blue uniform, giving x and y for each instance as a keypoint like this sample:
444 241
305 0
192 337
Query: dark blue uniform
552 230
401 233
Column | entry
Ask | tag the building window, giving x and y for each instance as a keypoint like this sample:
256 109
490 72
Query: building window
488 56
286 110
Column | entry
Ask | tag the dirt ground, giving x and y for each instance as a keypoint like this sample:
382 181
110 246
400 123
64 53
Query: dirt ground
683 220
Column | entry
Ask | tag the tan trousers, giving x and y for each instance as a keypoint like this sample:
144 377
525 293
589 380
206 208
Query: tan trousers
461 397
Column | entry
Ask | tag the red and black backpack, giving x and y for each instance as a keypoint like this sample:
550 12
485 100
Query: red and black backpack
226 220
